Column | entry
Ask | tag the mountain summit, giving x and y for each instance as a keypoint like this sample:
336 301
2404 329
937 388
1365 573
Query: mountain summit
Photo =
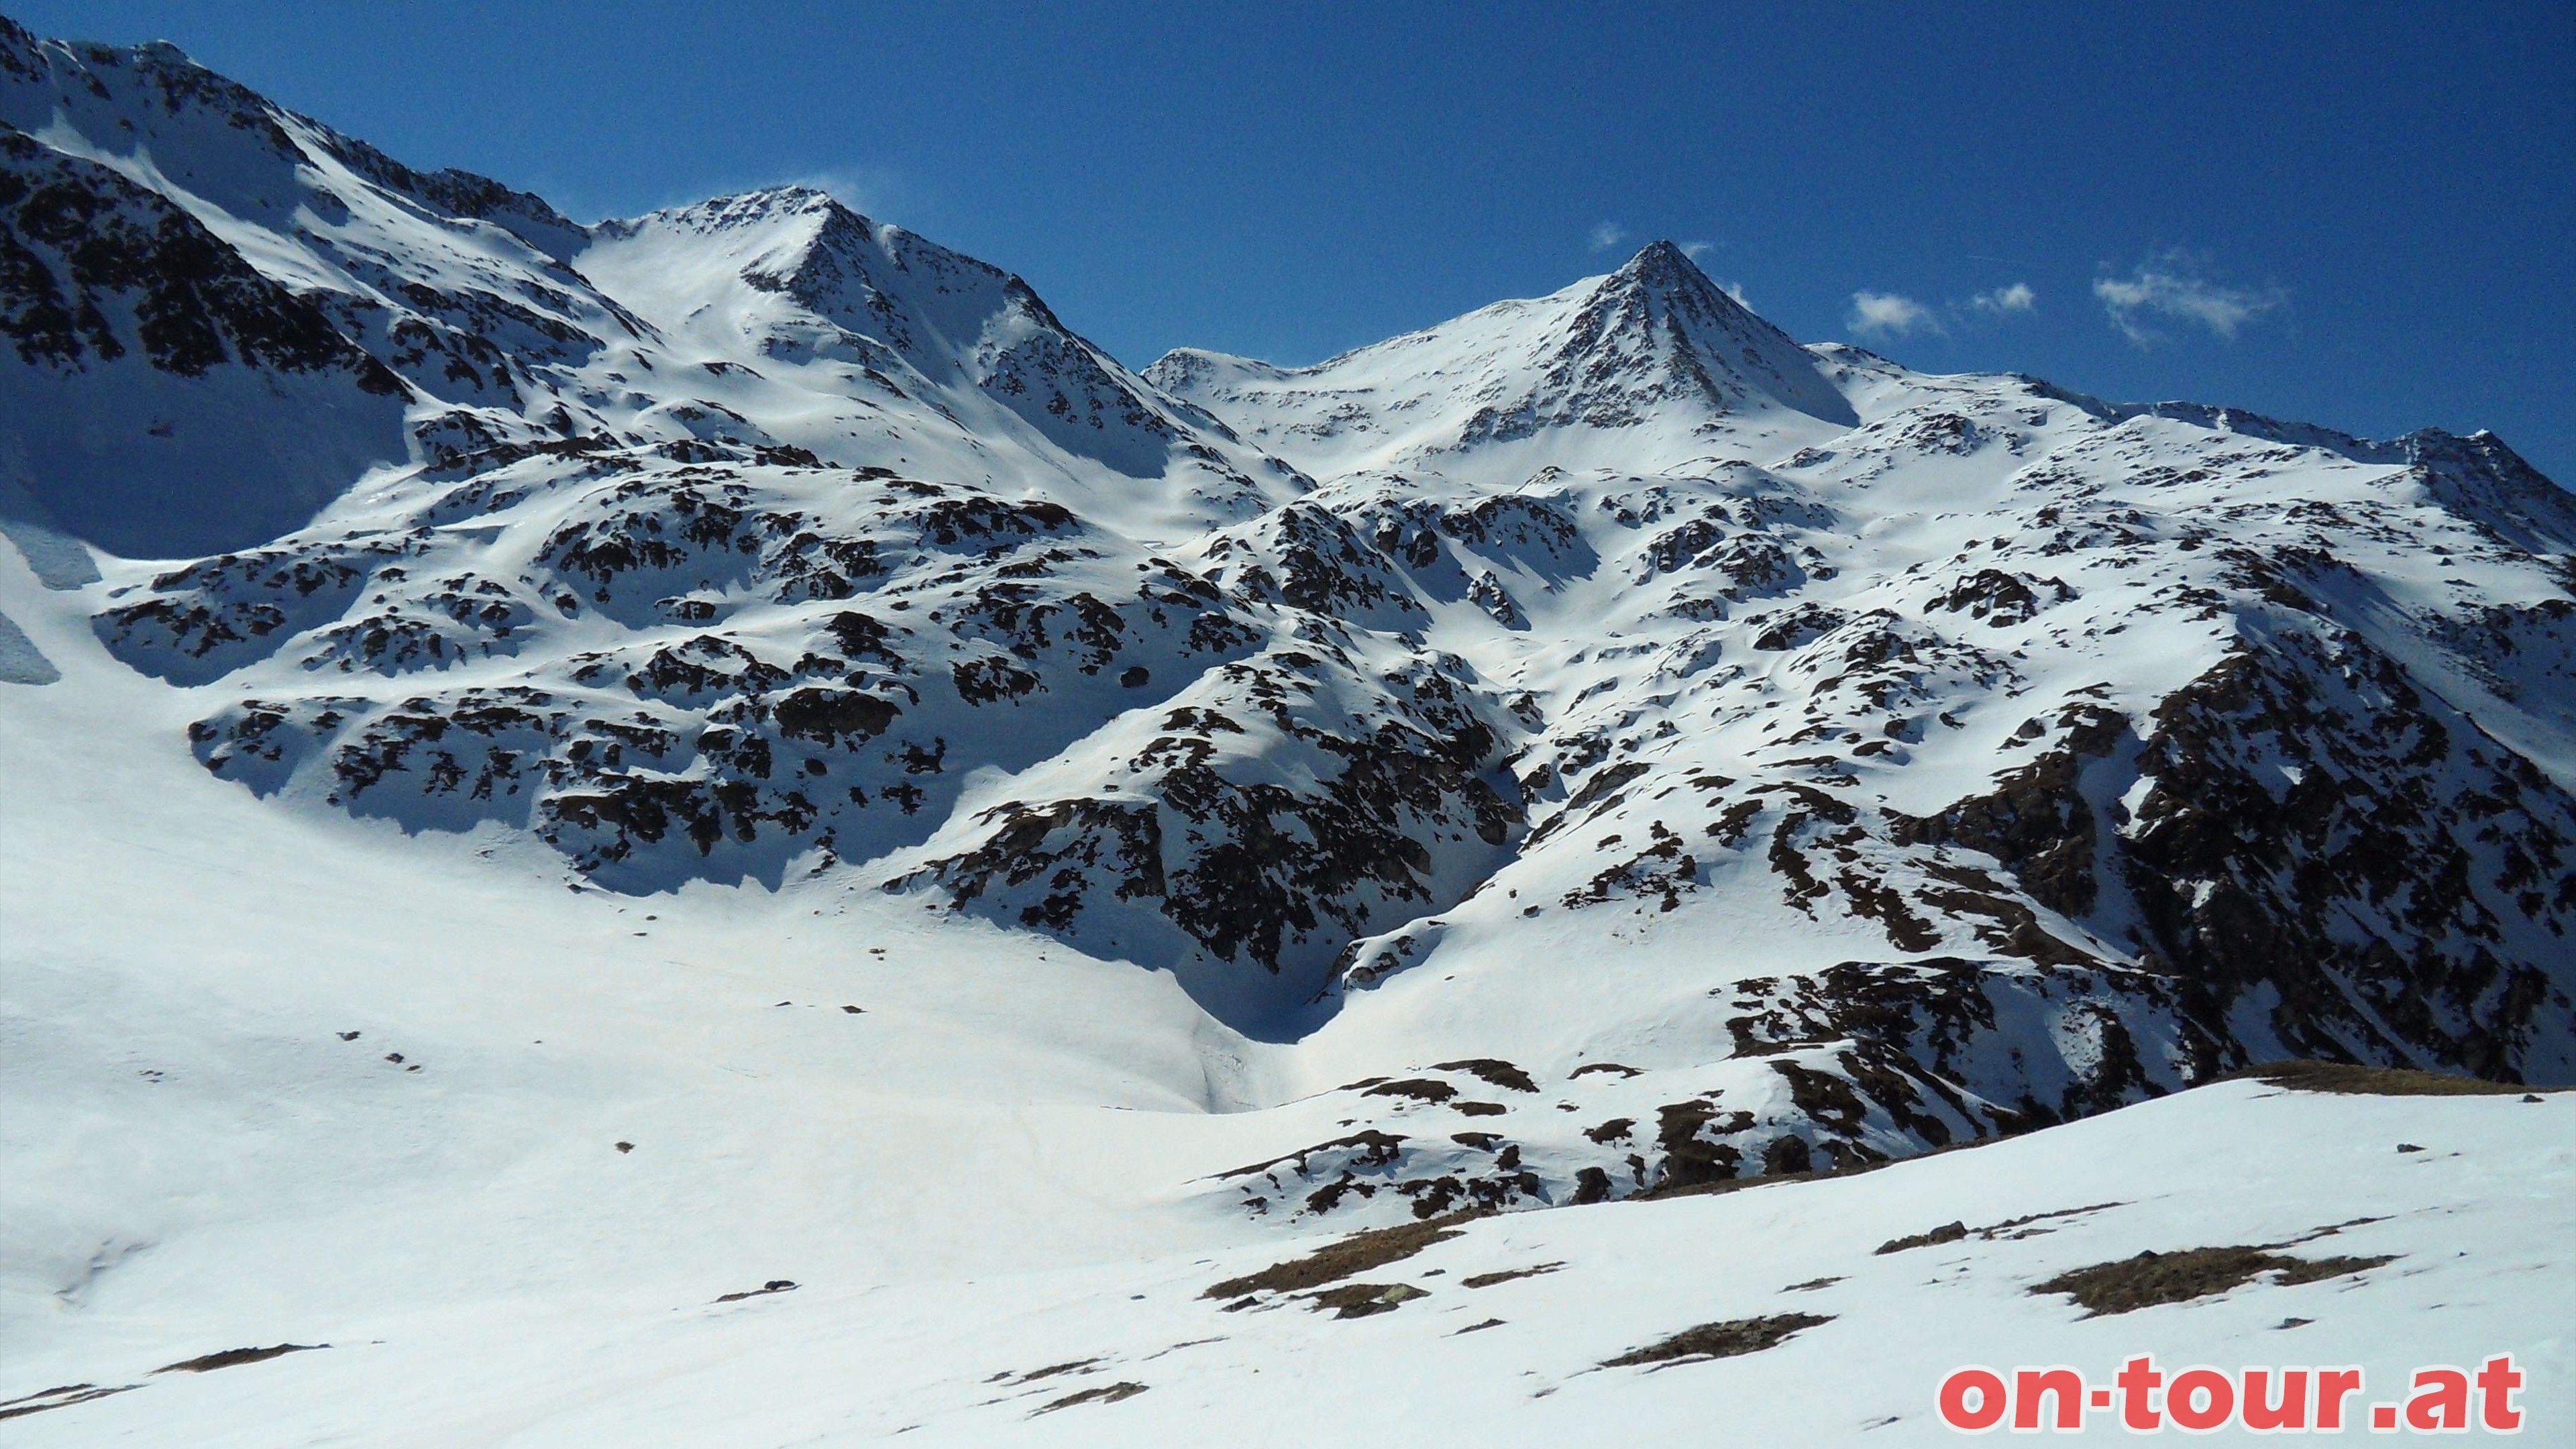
854 307
1638 365
1662 310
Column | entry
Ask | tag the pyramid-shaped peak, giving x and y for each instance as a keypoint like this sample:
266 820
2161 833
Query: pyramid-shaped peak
1664 268
1661 318
1663 257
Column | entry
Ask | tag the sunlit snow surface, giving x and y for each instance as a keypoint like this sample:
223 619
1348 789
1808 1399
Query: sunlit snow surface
734 749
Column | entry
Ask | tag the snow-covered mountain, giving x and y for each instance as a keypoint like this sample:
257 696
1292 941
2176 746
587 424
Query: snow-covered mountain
1596 746
232 268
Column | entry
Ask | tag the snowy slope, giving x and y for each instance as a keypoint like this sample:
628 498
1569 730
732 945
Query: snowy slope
146 354
1002 832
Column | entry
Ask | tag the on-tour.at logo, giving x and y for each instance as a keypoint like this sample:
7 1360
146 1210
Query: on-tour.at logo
2440 1399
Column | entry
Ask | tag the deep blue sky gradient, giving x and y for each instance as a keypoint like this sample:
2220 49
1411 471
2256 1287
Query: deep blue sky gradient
1285 181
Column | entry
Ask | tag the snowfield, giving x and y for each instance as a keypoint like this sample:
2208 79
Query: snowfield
713 830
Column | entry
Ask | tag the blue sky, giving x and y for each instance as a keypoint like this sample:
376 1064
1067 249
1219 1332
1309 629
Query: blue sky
2362 215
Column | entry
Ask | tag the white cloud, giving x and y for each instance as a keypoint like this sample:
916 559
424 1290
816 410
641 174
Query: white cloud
1735 290
1607 234
2016 298
1884 313
2171 285
1698 249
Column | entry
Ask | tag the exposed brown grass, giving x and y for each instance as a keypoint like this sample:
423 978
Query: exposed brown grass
1730 1339
1488 1280
2349 1080
1105 1394
1335 1261
61 1398
1359 1300
1946 1233
234 1356
2150 1279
